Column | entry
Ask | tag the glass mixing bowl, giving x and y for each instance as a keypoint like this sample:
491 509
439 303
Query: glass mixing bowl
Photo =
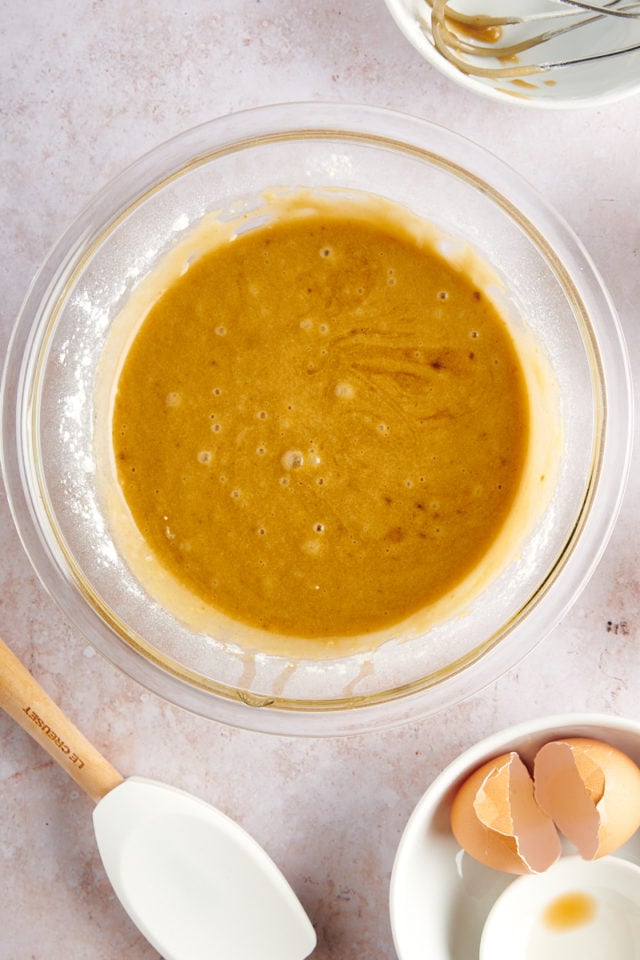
50 416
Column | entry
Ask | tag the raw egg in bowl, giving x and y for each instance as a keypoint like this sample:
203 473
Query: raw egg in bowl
579 908
561 838
316 419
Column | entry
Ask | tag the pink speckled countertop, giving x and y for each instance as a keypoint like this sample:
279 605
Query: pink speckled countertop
86 87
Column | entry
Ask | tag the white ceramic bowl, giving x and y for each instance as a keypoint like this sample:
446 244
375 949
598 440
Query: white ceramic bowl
440 897
50 415
591 83
594 908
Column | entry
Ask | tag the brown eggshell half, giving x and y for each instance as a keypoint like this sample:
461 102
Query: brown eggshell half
591 790
496 820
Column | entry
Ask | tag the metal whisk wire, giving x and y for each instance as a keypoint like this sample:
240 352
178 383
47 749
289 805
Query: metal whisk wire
479 35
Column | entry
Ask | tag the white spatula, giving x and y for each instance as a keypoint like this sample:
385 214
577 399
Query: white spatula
194 882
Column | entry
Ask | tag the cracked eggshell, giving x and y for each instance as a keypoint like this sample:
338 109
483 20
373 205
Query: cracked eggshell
591 790
496 820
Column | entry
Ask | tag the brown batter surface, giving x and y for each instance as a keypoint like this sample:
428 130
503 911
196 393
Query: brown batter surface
321 427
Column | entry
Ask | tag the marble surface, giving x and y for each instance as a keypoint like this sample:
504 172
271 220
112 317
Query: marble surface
86 86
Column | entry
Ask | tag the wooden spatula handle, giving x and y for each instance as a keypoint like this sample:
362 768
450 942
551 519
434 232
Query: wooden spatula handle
25 700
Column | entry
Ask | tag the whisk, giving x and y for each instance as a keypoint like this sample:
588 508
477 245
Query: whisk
463 39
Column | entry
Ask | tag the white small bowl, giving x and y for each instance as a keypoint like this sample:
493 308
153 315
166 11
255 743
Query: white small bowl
577 908
591 83
440 898
53 416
